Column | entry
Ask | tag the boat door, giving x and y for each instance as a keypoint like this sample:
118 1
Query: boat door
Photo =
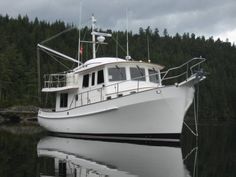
92 87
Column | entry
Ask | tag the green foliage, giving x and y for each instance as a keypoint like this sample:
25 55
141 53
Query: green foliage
18 65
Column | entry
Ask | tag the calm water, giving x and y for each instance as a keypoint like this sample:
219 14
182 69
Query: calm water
29 152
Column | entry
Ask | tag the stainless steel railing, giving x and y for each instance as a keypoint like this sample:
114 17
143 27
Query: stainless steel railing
87 97
186 70
54 80
60 80
182 72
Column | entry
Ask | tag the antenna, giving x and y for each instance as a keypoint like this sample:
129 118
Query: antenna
127 37
93 36
148 51
117 43
80 13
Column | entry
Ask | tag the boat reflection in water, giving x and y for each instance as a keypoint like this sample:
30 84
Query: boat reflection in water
90 158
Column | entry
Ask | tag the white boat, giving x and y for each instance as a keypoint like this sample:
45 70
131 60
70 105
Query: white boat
76 157
119 97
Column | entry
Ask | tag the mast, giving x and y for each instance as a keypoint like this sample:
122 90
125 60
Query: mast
80 12
100 38
93 36
39 81
127 37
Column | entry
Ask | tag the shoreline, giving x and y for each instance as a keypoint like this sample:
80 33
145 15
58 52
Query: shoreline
19 114
20 129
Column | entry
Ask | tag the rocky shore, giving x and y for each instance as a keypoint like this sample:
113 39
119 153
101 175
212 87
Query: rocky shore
19 114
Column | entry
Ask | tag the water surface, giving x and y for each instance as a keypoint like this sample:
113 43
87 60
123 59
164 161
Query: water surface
28 151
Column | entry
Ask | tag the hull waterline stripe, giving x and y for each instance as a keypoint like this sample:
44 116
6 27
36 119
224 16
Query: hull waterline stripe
144 136
162 140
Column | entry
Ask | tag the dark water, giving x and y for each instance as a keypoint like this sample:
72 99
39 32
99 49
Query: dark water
29 152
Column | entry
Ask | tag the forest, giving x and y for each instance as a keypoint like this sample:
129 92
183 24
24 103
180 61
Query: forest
18 64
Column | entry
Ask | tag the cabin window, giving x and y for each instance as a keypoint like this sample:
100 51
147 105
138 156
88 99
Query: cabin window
153 75
100 77
76 97
86 80
93 79
116 74
137 73
63 100
62 168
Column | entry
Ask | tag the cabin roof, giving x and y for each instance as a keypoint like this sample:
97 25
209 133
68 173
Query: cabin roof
97 62
103 60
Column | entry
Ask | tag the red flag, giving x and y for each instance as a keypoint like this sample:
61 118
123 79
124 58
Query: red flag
81 50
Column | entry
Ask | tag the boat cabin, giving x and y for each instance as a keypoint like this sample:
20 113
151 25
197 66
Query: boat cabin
101 79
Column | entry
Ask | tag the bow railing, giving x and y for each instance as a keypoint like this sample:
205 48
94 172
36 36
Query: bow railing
182 72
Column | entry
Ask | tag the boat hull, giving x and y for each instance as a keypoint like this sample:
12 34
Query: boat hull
157 112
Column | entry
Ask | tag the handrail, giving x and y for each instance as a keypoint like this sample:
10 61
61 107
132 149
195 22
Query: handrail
52 84
174 77
197 64
54 80
56 74
58 80
72 101
116 86
134 79
163 78
183 65
138 79
86 95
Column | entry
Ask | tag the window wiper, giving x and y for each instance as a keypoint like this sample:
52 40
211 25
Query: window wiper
118 68
142 74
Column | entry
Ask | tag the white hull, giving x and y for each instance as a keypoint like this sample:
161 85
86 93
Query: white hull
156 111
